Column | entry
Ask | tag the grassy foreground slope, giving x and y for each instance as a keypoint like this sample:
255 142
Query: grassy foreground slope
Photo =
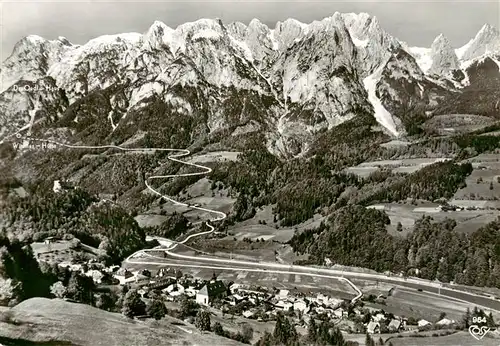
57 322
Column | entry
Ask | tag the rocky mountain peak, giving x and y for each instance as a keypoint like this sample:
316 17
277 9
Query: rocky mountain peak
288 32
444 59
295 79
31 58
157 35
64 41
486 40
373 43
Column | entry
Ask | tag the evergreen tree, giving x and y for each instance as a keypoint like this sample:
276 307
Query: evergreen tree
246 333
279 331
324 337
467 318
188 307
80 288
490 322
337 339
369 340
202 321
312 332
284 332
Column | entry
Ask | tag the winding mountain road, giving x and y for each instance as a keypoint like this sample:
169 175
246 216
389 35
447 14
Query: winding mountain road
173 157
178 153
269 267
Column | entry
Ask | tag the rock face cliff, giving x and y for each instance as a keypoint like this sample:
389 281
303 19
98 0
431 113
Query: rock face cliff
204 77
444 59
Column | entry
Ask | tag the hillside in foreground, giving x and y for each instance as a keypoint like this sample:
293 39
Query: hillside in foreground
41 321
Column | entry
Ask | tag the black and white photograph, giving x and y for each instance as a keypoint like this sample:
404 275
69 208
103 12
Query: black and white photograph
237 172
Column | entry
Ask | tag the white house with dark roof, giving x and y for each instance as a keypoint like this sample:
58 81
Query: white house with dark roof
213 289
124 276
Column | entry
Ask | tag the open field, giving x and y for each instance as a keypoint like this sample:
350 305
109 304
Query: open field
215 156
407 214
261 226
238 249
150 220
252 229
395 144
40 248
396 166
408 302
59 251
450 124
482 184
267 241
254 232
456 339
44 320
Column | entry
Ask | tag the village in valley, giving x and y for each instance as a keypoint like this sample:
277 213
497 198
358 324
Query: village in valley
235 304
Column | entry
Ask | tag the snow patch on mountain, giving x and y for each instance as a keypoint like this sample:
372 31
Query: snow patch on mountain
32 114
110 118
159 35
360 43
207 34
478 60
145 90
299 87
243 47
422 56
288 32
272 38
381 114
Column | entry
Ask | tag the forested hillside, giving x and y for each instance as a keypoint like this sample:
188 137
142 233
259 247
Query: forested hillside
357 236
101 225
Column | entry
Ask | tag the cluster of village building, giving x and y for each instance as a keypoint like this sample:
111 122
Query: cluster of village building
253 302
264 303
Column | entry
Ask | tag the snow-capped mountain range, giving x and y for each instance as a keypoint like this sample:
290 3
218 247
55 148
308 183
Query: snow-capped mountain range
292 81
